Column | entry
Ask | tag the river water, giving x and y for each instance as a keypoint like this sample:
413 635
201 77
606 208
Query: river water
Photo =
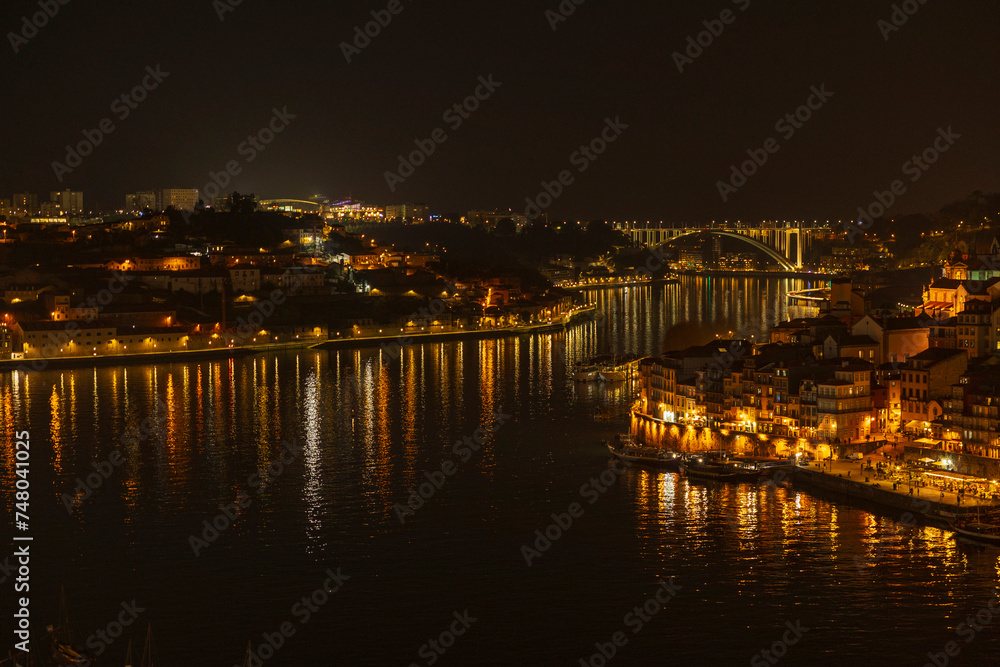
747 568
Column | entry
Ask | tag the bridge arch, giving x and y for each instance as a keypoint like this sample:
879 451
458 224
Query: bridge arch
770 252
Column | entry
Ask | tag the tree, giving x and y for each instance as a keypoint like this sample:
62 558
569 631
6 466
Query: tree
242 205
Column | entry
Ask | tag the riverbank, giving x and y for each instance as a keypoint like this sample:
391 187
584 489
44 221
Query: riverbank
853 483
617 284
924 492
27 365
588 314
718 273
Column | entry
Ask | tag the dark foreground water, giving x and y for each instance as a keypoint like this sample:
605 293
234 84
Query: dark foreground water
746 563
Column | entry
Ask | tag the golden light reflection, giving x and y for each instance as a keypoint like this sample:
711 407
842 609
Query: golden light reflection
487 379
313 455
172 433
231 376
73 426
96 415
8 440
56 430
385 410
376 452
276 423
411 401
199 403
777 528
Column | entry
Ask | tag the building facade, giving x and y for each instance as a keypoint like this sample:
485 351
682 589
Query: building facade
68 201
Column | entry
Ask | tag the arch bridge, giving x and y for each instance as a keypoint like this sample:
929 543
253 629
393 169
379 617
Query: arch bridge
783 244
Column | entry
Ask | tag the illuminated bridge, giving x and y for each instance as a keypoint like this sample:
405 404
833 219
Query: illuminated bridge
781 241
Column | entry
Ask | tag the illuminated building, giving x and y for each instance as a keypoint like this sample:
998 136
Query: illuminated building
141 201
411 213
925 380
68 201
24 203
182 199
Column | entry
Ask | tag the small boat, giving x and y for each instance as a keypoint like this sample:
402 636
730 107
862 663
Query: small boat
777 464
590 370
616 368
978 530
610 375
64 653
710 465
747 471
709 471
625 449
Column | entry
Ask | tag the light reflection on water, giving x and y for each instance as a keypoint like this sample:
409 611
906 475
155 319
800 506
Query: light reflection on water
750 557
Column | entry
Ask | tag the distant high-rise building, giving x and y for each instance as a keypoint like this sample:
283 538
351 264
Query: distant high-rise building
182 199
25 203
412 213
716 248
52 209
69 202
140 201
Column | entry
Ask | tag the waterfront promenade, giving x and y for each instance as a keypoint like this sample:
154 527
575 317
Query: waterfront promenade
399 340
394 342
857 479
853 471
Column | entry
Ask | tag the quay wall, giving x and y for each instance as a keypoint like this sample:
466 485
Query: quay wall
684 438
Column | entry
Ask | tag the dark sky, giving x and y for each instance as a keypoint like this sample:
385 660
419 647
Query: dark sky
608 59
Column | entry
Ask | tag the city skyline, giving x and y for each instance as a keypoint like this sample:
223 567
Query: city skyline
887 93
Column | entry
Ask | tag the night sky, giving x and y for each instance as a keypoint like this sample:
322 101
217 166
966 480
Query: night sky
685 130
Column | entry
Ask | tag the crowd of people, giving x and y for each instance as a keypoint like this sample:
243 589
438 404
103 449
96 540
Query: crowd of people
965 491
894 471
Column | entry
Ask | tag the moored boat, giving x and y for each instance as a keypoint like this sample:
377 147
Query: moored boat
746 471
779 464
610 375
64 653
709 466
716 472
978 530
624 448
718 465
